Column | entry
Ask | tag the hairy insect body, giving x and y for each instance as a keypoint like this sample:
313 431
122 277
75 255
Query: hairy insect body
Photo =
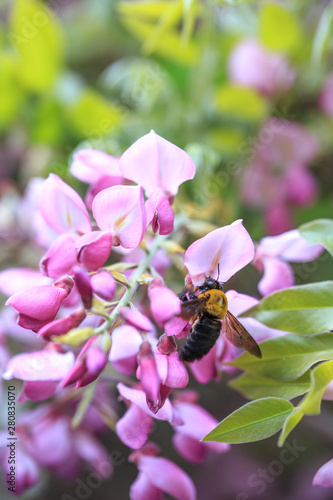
204 334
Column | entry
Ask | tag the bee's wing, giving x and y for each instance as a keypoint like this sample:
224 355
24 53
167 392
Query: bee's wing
190 308
235 332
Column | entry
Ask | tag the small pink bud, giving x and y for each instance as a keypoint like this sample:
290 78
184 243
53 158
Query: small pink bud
103 285
83 285
148 374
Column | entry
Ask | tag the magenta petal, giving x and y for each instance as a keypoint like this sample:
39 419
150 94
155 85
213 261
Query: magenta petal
138 397
154 163
172 370
40 303
160 213
168 477
149 377
177 326
39 366
62 325
121 211
164 304
324 476
143 489
60 258
135 318
89 165
103 285
190 449
37 391
94 249
134 427
277 275
62 207
230 246
126 342
205 369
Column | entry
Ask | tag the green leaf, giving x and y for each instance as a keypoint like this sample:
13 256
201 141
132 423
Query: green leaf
93 116
36 34
254 387
279 29
293 419
254 421
300 309
240 102
10 90
287 357
319 231
321 376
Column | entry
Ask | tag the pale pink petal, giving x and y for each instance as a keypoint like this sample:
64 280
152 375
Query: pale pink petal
301 186
103 285
230 247
143 489
177 326
60 258
204 370
277 275
37 391
190 449
90 450
62 207
89 165
27 472
94 249
290 142
134 427
168 477
239 302
289 246
53 434
39 366
324 476
126 342
136 319
138 397
154 162
103 183
164 304
278 218
121 211
19 278
251 65
172 371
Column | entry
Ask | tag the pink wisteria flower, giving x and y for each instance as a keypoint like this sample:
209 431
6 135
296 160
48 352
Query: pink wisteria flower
324 476
277 175
252 65
160 168
157 475
39 305
326 96
273 255
220 254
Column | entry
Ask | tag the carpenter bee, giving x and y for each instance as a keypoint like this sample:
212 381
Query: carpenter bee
204 306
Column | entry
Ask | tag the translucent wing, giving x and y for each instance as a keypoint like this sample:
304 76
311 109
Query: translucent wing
190 308
235 332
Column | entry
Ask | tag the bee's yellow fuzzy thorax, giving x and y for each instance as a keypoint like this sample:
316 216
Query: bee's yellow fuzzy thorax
216 304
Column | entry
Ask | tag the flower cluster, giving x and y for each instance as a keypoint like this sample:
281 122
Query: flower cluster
100 303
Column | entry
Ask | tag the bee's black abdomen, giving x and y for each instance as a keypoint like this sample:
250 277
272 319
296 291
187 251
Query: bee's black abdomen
202 338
